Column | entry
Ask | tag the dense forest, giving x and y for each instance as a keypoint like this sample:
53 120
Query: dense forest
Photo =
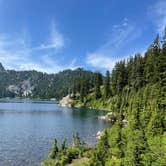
134 92
40 85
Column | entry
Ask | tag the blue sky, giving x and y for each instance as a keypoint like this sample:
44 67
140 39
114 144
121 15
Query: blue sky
53 35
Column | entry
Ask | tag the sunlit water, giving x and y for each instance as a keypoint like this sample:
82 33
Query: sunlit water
28 129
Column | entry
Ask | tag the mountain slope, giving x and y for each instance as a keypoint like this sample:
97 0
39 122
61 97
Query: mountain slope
39 85
137 100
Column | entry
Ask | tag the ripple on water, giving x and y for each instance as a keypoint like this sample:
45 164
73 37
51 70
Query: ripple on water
27 130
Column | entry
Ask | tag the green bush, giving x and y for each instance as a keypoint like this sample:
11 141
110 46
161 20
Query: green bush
72 153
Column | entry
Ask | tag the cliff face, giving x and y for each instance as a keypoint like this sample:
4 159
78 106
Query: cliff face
23 88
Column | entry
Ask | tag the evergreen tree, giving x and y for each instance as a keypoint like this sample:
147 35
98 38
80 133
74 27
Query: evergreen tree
155 126
162 74
54 150
74 90
97 83
138 72
119 77
76 140
107 91
100 153
129 71
151 62
63 145
84 89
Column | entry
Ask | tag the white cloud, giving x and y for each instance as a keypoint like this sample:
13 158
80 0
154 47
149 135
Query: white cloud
99 60
54 67
17 53
13 51
55 41
106 55
157 13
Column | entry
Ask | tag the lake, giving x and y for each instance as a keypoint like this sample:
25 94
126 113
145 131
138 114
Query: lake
27 129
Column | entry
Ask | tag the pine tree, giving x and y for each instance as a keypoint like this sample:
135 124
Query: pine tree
100 153
151 61
63 145
107 91
76 140
54 150
155 126
97 83
74 90
119 77
129 71
162 74
138 72
84 89
136 141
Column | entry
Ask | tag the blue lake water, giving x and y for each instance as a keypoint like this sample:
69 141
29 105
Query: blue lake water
28 129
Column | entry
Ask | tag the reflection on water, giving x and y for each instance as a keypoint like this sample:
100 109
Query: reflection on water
27 130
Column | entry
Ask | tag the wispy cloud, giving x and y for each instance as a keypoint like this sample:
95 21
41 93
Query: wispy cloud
17 53
100 61
110 52
55 41
157 13
46 66
13 51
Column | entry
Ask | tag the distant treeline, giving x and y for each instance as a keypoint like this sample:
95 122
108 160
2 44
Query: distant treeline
35 84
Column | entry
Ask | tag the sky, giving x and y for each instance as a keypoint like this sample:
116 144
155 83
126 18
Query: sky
54 35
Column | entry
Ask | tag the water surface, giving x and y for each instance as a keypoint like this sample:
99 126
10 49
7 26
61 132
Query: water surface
28 129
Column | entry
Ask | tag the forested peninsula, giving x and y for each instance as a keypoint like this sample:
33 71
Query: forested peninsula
135 91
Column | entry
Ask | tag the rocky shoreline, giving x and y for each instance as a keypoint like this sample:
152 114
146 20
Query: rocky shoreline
66 101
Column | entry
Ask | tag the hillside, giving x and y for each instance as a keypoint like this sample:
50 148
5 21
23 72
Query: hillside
35 84
135 93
